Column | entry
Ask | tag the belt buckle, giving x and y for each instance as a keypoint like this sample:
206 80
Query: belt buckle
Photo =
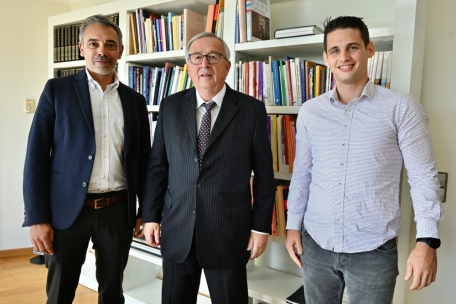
95 203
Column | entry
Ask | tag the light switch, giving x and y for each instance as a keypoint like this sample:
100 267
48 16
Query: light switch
29 106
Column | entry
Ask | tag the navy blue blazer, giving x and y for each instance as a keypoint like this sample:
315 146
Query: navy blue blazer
213 204
61 151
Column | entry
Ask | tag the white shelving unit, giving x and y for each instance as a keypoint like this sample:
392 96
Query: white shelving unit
397 25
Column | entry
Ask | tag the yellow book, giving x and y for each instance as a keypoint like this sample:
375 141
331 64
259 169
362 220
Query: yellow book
176 25
181 84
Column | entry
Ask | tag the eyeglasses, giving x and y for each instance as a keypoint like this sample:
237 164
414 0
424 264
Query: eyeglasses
213 58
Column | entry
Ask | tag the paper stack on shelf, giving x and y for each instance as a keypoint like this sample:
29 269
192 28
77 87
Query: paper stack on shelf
297 31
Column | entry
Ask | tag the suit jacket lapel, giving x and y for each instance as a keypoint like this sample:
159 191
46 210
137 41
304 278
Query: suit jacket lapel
188 110
127 106
82 91
229 108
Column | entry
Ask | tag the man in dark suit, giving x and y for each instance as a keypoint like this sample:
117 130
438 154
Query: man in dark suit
197 184
87 152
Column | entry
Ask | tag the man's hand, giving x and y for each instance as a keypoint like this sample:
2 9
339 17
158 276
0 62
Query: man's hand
257 244
138 233
422 264
151 232
294 246
42 237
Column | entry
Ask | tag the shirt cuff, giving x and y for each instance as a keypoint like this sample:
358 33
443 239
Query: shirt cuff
260 232
294 221
427 228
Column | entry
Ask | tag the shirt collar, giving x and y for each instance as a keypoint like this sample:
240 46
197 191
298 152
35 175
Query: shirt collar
93 83
368 91
218 99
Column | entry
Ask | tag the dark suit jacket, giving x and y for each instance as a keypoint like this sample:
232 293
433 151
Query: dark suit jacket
215 201
61 151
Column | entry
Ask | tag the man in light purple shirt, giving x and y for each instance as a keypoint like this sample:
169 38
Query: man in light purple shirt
343 204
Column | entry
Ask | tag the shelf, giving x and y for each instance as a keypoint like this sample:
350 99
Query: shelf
157 58
145 256
69 64
282 175
154 108
150 293
283 109
306 46
270 285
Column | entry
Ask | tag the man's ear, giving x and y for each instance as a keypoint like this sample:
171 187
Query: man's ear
371 49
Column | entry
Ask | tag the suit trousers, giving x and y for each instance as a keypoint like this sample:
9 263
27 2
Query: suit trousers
111 235
181 282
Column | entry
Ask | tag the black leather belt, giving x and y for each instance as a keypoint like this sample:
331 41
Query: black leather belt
101 200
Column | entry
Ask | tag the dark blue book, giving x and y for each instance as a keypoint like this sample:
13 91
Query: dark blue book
276 82
297 297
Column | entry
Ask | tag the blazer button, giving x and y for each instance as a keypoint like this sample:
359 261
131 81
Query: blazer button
90 157
84 184
196 159
198 185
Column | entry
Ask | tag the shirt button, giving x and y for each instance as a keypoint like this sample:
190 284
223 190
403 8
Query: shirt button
90 157
345 126
84 184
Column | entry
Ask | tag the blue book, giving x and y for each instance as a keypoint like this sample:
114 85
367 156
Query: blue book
145 82
276 82
131 76
159 39
170 31
302 64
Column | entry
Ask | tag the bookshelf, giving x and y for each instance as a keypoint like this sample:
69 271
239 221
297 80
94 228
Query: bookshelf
397 25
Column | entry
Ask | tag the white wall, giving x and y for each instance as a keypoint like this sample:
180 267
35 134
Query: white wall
23 72
438 98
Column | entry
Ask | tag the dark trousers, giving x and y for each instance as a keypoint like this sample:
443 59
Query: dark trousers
181 282
111 235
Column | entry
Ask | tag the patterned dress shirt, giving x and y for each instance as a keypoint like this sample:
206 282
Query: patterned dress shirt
347 171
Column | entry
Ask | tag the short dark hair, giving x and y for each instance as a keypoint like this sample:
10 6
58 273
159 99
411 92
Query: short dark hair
105 21
344 22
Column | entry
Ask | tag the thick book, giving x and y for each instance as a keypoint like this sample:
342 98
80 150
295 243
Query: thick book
258 22
298 31
297 297
140 244
193 25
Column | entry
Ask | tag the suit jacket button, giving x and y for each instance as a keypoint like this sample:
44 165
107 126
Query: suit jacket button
84 184
90 157
198 185
196 159
194 211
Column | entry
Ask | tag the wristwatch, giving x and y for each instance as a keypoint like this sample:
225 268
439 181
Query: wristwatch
432 242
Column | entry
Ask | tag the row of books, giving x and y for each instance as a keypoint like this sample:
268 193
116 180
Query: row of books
253 20
150 32
379 68
66 72
279 213
156 83
66 39
282 137
215 18
289 82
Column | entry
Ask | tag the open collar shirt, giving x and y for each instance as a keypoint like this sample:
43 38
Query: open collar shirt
346 181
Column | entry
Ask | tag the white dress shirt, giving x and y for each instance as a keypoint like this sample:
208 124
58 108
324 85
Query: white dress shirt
107 173
346 180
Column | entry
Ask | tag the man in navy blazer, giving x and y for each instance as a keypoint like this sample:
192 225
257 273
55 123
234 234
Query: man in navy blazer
207 142
86 157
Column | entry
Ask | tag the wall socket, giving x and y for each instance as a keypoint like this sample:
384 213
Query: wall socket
29 106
